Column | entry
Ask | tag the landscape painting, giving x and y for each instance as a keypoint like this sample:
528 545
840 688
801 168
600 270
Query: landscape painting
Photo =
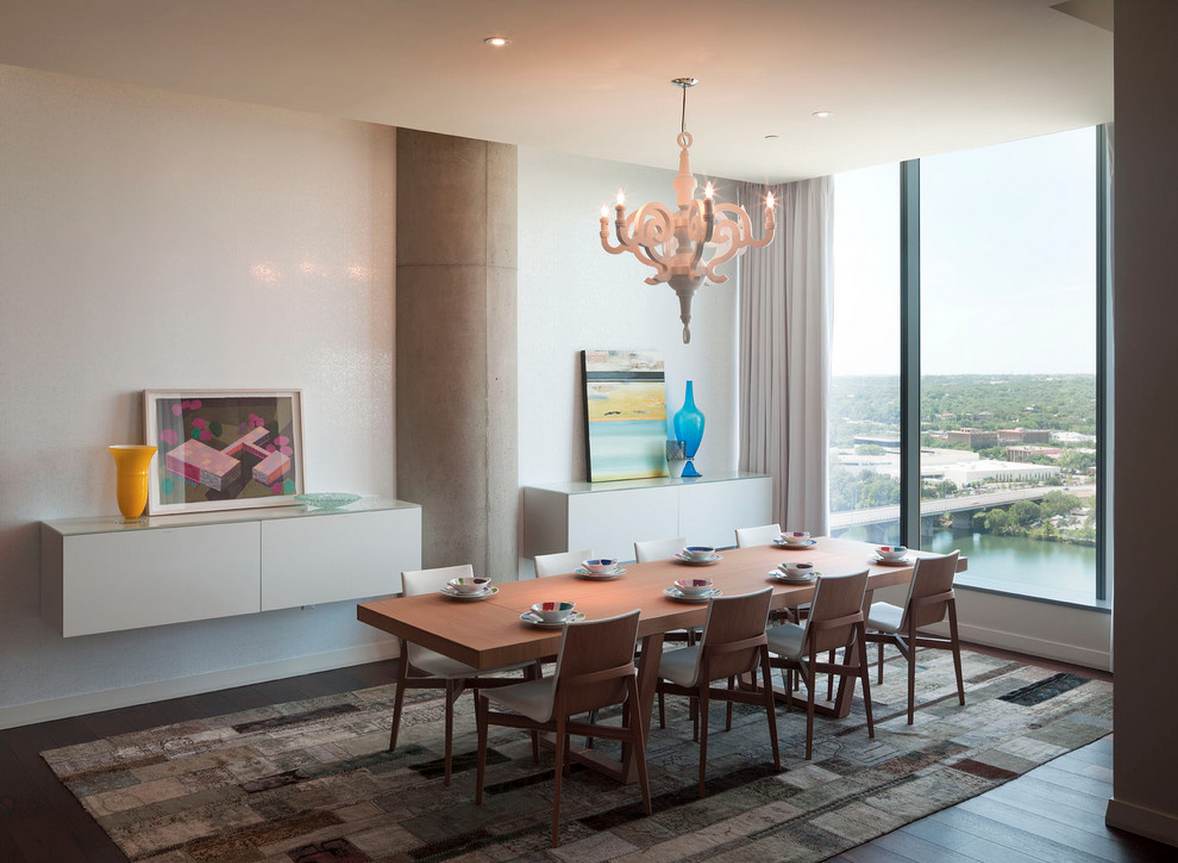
223 449
625 414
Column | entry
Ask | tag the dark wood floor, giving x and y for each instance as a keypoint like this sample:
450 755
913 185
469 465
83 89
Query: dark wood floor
1054 813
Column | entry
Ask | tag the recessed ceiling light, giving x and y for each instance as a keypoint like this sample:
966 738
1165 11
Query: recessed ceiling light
821 115
767 137
497 41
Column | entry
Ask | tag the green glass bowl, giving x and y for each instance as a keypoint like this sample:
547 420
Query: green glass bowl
327 499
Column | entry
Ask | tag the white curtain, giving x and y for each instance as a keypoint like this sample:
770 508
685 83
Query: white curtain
785 326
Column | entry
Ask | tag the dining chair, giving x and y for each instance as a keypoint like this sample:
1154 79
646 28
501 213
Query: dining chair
930 600
561 562
761 535
835 621
421 668
594 670
733 644
658 549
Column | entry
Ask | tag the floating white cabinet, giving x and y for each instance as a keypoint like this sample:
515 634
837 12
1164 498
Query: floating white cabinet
609 517
98 575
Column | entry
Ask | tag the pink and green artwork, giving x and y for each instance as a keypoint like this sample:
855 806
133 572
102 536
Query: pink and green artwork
224 449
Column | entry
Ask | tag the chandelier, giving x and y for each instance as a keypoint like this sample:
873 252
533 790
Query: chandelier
674 242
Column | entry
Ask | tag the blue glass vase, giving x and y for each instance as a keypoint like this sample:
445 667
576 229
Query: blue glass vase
689 428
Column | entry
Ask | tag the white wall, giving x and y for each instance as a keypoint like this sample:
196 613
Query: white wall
574 296
155 240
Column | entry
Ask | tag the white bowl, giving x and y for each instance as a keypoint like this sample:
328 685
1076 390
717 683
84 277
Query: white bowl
794 570
891 552
600 564
795 537
469 586
694 586
554 610
699 552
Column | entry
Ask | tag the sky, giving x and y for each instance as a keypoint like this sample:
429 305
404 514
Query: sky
1008 260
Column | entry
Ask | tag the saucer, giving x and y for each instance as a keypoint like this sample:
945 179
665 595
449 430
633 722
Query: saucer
678 595
454 594
616 572
778 575
879 561
780 543
707 561
534 619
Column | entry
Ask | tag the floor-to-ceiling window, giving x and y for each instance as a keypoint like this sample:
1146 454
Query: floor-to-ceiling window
1009 398
865 359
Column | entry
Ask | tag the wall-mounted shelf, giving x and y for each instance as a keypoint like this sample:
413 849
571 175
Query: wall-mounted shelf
98 575
609 517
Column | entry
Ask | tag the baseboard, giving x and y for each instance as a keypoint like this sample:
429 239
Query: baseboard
1029 644
160 690
1149 823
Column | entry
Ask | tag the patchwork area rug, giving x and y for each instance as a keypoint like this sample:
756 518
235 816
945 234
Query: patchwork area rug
311 781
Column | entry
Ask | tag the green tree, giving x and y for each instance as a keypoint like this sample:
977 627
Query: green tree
1025 513
1059 503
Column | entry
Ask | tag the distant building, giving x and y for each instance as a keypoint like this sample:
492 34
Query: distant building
1025 453
1022 435
974 438
991 470
885 441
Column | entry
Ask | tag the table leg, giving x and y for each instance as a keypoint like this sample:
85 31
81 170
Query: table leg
648 678
846 690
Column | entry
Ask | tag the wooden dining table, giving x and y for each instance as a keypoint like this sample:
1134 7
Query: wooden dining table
489 633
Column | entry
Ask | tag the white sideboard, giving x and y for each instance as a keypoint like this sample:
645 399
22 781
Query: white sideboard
608 517
98 575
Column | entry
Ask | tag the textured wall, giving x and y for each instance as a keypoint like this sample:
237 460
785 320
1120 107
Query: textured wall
456 347
154 240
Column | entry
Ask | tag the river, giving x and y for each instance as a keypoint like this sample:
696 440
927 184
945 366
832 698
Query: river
1054 569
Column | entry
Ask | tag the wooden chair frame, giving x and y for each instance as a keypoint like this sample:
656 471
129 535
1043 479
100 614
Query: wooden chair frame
568 687
702 693
911 639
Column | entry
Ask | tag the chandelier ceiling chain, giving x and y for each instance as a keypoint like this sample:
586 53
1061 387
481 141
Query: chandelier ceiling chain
674 242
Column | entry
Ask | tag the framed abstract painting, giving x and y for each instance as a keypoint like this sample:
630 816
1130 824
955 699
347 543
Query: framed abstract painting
223 449
625 414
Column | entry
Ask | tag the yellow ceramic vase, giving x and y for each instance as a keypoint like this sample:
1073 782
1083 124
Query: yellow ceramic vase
131 461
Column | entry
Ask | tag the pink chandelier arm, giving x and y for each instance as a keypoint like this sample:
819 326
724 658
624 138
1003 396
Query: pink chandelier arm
735 235
641 233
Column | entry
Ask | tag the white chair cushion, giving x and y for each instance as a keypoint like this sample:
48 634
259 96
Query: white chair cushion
438 665
679 666
532 698
885 617
786 640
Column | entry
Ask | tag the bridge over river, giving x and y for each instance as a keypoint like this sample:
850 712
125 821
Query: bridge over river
879 518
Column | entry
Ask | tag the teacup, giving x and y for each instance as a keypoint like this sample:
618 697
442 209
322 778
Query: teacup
554 611
468 586
600 564
795 537
796 570
694 586
891 552
699 552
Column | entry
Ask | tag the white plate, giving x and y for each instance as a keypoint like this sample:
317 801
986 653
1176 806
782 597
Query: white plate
904 561
795 545
778 575
454 594
707 561
678 595
617 572
534 619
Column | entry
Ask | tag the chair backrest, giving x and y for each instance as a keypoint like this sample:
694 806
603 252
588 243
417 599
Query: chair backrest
733 622
415 582
835 609
561 562
761 535
933 577
658 549
591 647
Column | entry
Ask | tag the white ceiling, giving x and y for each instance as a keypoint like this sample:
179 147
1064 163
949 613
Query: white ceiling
904 78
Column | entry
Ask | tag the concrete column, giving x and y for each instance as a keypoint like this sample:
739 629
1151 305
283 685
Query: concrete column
456 347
